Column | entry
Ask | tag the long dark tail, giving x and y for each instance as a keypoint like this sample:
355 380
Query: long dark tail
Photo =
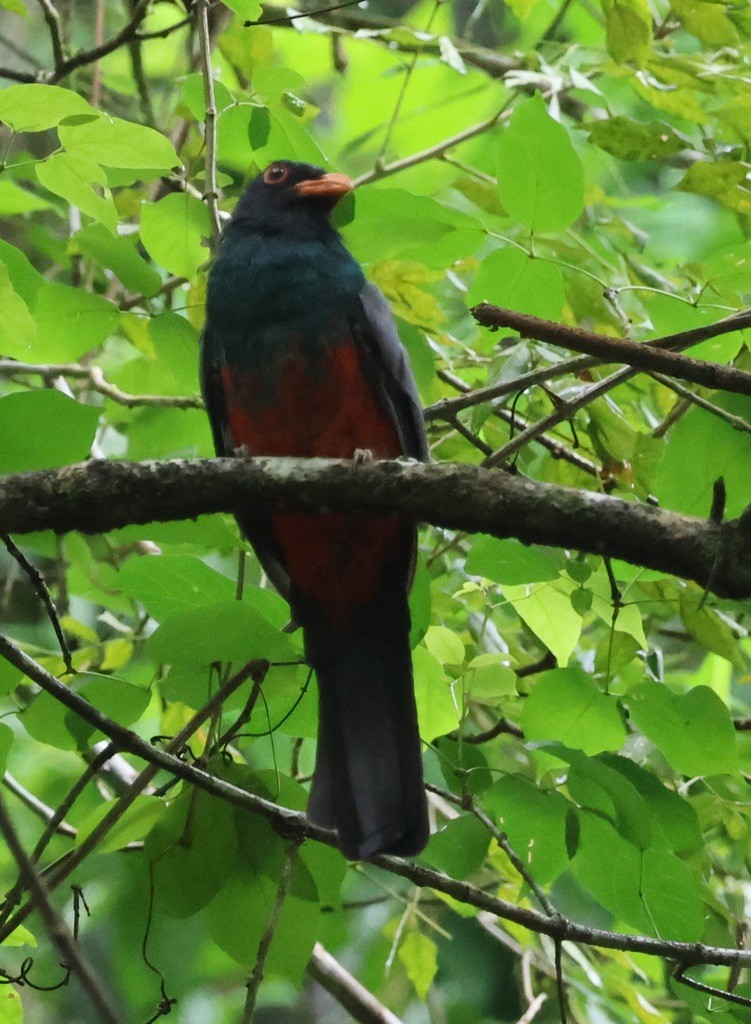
368 782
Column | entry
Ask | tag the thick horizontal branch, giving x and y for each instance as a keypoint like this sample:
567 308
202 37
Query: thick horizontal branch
647 356
98 496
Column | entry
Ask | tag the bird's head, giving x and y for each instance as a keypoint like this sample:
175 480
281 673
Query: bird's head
291 198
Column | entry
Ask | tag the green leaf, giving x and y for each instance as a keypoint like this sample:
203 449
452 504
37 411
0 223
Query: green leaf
546 609
170 584
566 705
509 561
20 936
172 231
15 200
675 824
15 7
11 1010
73 178
136 823
708 628
391 223
192 89
534 821
540 176
511 279
629 30
444 645
652 891
436 711
44 430
23 276
702 448
6 741
34 108
693 730
671 897
190 866
17 326
630 140
488 680
249 9
120 255
723 181
225 631
709 21
115 143
459 848
71 321
419 954
596 786
46 719
119 699
238 915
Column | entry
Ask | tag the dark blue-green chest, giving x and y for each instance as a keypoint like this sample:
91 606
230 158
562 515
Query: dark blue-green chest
264 291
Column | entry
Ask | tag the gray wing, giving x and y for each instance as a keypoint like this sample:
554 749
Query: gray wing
389 364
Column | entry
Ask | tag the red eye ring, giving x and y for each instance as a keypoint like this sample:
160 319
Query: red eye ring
275 174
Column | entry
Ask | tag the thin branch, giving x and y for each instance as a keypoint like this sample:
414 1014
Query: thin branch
59 934
476 396
73 794
466 803
47 814
256 977
52 17
84 57
431 152
359 1003
287 18
381 156
736 422
293 824
211 195
619 350
103 495
39 584
557 448
94 376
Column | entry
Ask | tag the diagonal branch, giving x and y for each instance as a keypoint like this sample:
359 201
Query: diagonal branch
294 826
52 17
72 957
357 1000
619 350
100 495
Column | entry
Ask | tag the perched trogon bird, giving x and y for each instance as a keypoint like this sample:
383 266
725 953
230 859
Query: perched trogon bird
300 357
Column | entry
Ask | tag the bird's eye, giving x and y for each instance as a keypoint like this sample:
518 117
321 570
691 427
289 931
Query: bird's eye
275 174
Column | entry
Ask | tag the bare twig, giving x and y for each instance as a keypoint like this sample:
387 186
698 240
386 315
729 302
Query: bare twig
736 422
94 376
256 977
39 584
52 17
431 152
54 823
476 396
75 791
556 448
359 1003
211 195
56 928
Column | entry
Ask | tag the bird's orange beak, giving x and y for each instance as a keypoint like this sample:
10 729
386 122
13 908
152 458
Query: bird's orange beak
330 186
